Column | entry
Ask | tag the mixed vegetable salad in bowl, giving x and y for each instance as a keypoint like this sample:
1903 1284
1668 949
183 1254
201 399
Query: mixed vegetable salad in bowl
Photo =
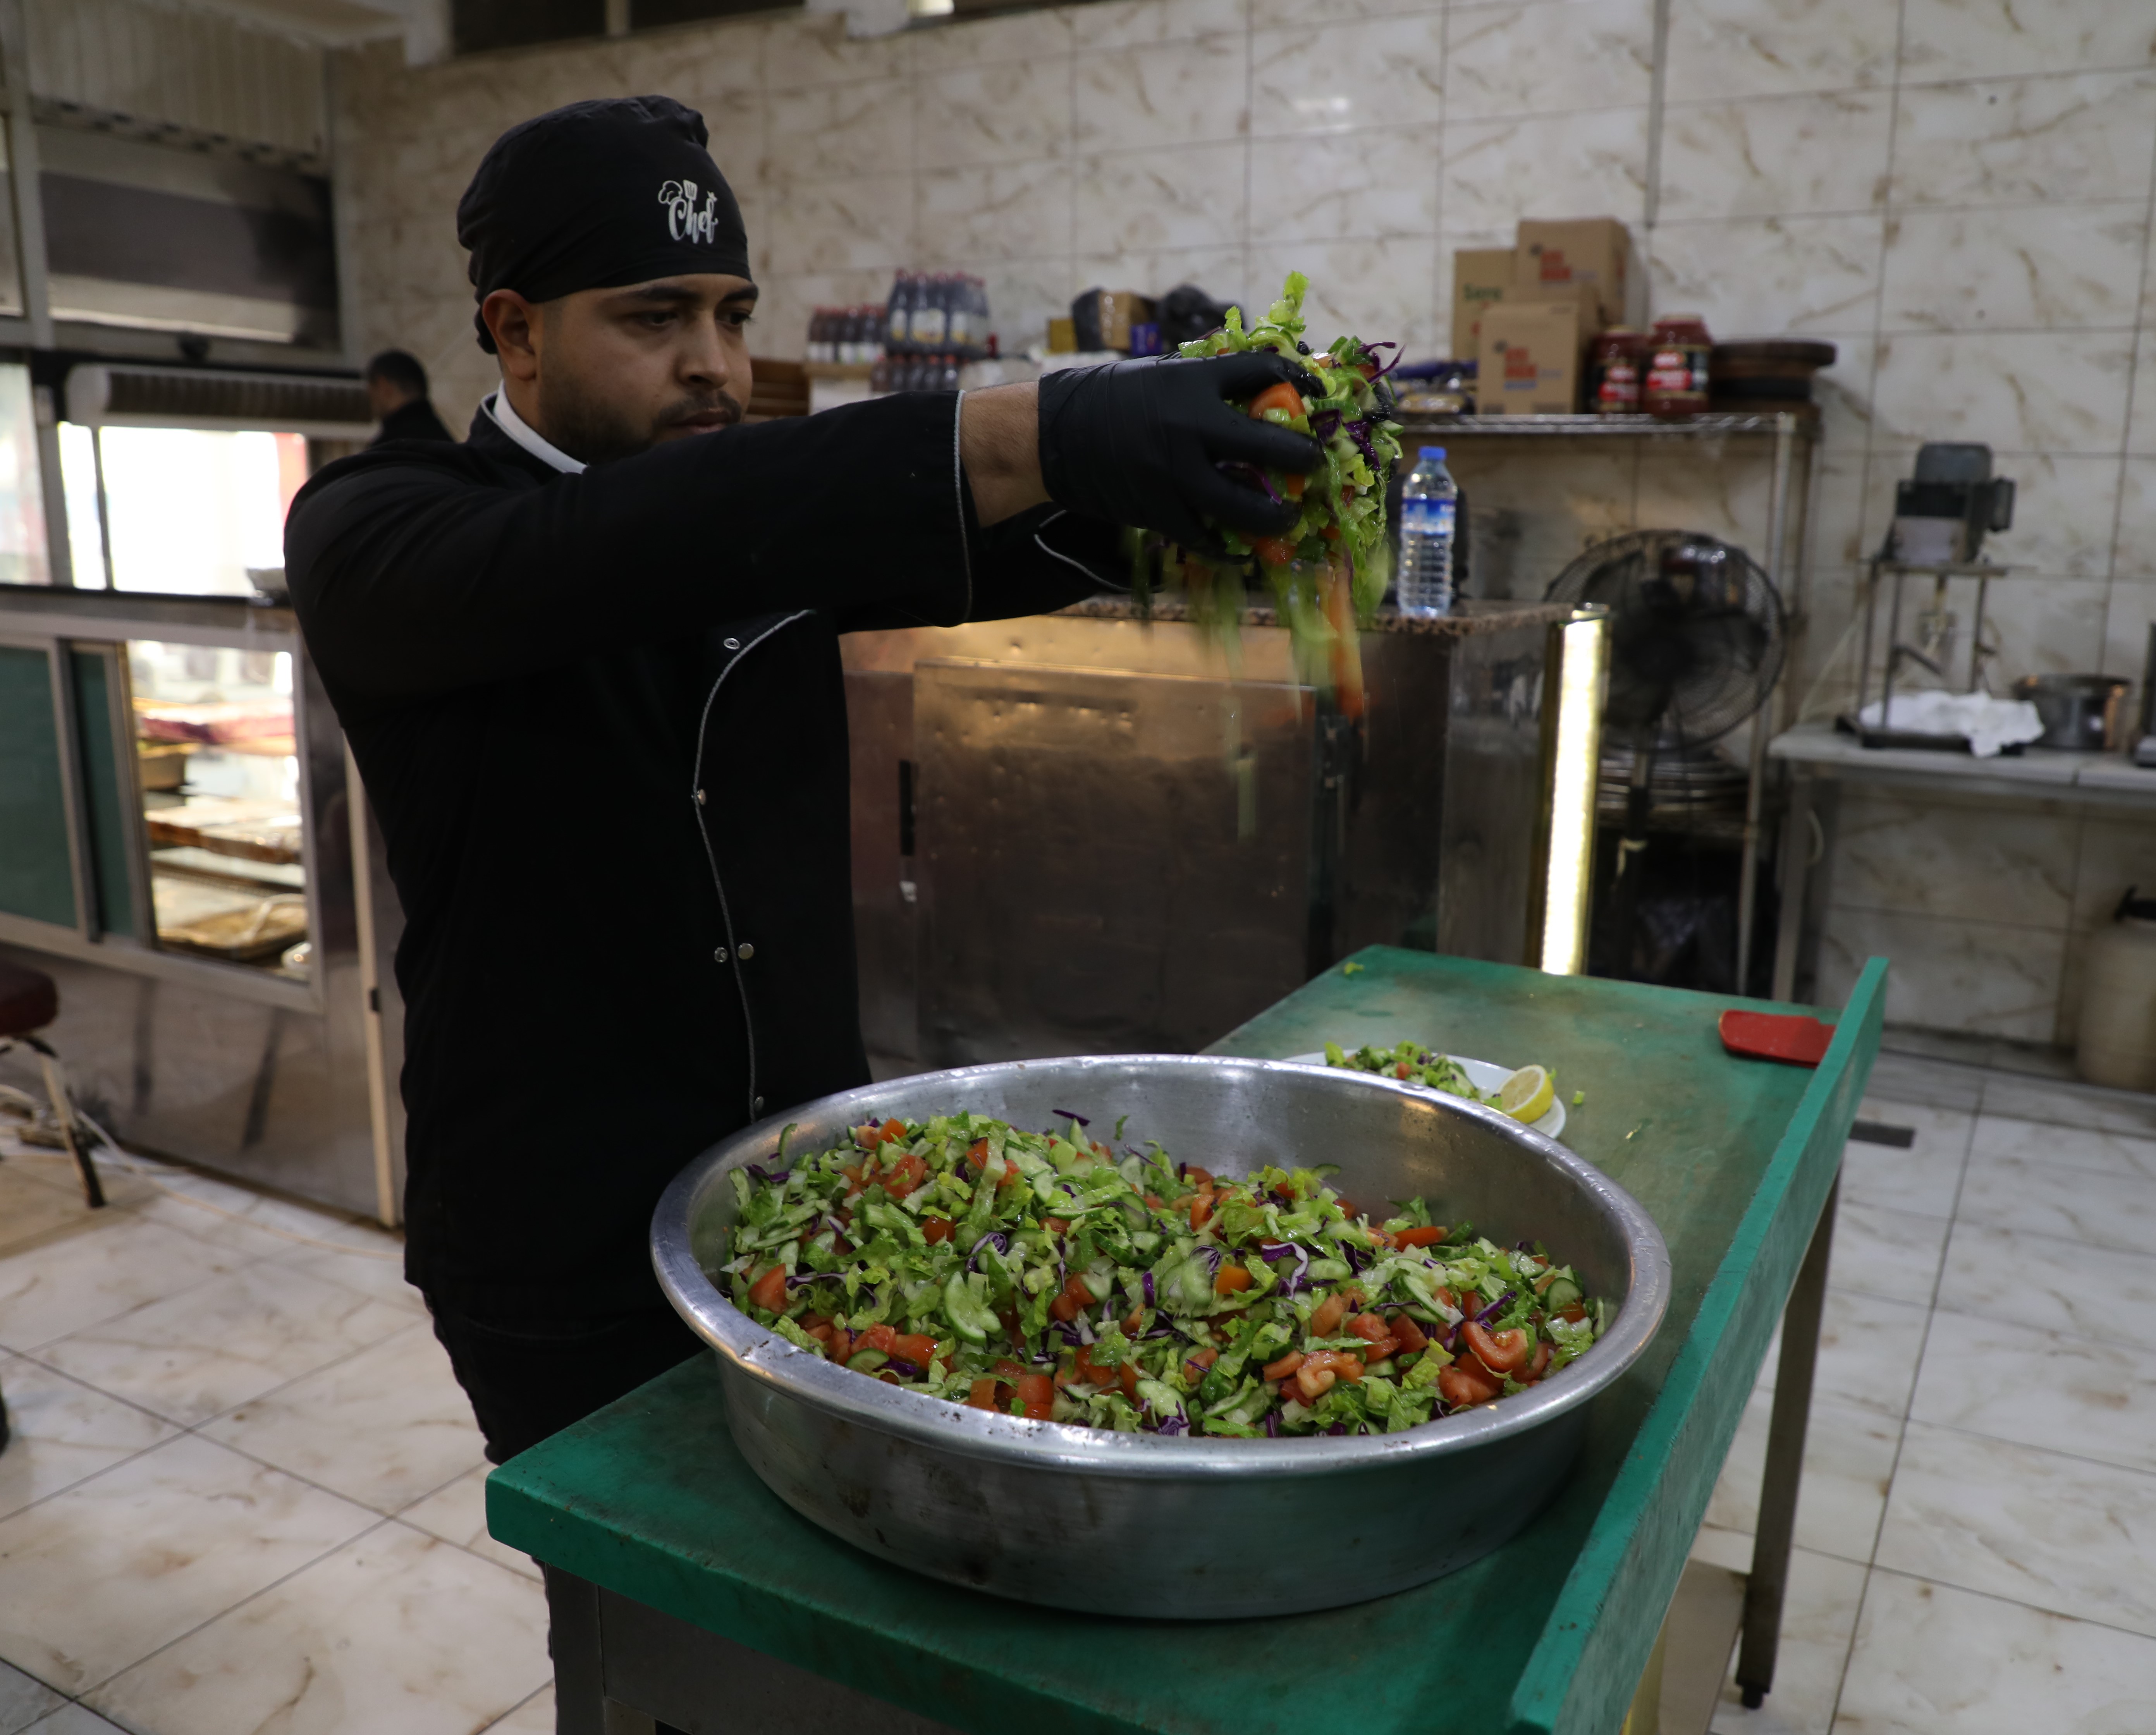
1050 1276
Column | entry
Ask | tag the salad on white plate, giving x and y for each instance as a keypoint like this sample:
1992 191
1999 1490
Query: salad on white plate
1526 1093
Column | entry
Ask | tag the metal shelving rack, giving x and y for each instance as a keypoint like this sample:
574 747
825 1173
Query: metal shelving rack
1795 440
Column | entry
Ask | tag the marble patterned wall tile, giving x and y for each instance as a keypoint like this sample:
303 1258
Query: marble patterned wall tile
737 120
1275 14
1844 390
1222 272
815 49
2017 392
1174 94
1839 480
2141 423
2129 611
1732 49
1375 183
2082 135
860 224
1497 171
1017 210
2000 38
1795 274
997 114
1025 36
2053 267
1776 156
861 128
1898 852
2134 552
1130 23
1388 71
1822 649
1980 977
2062 512
2117 852
1525 521
1377 288
1548 57
2046 626
1723 493
1137 200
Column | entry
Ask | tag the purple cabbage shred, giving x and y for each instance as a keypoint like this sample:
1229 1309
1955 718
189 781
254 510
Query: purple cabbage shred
904 1370
764 1174
1064 1114
1144 1283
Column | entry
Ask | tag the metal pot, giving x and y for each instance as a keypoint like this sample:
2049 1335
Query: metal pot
2084 712
1180 1528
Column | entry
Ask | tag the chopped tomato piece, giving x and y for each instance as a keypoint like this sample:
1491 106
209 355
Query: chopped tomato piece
1273 551
1202 1359
1418 1237
879 1337
1130 1379
768 1291
1086 1370
1008 1370
842 1343
1153 1200
821 1333
1535 1369
1313 1382
868 1138
1374 1331
1500 1352
915 1346
1055 1225
1402 1069
856 1179
1201 1178
983 1395
892 1130
1009 1316
1464 1382
1075 1300
1201 1209
1348 1206
1285 1366
937 1228
1280 395
976 1153
1572 1315
1411 1336
905 1174
1037 1393
1134 1321
1229 1279
1294 486
1325 1320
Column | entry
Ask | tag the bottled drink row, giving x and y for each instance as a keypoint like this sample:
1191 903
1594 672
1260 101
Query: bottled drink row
928 316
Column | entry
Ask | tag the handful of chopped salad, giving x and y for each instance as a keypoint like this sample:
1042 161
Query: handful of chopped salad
1044 1275
1329 571
1412 1063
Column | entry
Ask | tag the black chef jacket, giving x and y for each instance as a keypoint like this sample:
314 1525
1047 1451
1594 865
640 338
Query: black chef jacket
412 420
602 719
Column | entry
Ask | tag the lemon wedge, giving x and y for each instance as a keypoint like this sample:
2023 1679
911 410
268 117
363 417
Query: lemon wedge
1527 1094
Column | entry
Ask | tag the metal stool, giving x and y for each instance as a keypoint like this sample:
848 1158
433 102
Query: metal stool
30 1000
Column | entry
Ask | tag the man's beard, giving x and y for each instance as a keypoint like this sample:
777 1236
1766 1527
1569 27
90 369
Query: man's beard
593 431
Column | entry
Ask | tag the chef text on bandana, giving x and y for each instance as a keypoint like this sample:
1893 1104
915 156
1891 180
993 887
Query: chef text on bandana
684 221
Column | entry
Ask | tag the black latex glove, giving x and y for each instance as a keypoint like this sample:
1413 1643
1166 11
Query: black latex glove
1140 442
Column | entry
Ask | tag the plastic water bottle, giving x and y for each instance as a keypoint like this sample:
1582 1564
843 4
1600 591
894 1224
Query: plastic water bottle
1430 508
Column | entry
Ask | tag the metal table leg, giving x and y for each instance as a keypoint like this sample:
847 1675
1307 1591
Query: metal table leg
1763 1593
1796 869
573 1636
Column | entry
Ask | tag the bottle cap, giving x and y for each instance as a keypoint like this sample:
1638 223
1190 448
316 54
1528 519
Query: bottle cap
1436 452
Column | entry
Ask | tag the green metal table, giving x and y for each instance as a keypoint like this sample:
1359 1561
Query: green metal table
683 1591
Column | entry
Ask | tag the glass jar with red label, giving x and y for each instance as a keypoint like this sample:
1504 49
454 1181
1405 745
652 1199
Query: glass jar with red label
1676 383
1616 368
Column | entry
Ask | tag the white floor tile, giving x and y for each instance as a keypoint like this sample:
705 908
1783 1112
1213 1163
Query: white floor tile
1909 1078
383 1427
395 1631
2042 1281
2088 1397
63 1431
100 1576
77 1720
225 1341
30 1210
2033 1526
534 1716
458 1514
2075 1205
23 1701
1933 1660
1891 1254
1867 1354
275 1226
57 1288
2067 1104
1818 1616
1848 1454
2045 1142
374 1273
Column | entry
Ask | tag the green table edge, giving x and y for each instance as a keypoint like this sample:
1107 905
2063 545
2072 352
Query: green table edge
1583 1670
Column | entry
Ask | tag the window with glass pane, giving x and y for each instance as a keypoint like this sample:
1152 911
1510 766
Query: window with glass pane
185 511
22 497
220 778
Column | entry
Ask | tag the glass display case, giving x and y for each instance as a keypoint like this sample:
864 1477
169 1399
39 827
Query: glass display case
186 511
219 773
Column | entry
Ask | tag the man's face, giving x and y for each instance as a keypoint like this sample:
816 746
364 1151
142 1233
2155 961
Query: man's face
385 395
613 371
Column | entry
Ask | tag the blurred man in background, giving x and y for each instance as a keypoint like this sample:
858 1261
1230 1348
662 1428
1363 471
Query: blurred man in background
397 387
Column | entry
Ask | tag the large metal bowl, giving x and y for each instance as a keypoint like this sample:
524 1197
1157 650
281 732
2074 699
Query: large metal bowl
1181 1527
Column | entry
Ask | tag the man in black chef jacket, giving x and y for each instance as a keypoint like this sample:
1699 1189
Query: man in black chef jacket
587 662
397 390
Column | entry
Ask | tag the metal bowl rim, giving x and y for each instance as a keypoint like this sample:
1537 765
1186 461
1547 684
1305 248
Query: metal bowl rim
751 1351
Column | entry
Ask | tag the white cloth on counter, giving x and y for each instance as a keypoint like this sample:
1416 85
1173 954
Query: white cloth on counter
1988 723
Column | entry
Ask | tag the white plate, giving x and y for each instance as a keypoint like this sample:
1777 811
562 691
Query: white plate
1480 1073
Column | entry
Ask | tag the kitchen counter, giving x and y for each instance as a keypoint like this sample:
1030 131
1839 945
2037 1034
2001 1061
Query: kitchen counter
682 1583
1471 617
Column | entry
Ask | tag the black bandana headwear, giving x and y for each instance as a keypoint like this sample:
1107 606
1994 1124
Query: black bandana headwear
595 196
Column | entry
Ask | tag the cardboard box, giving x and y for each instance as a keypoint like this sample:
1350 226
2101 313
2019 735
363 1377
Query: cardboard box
1482 277
1530 360
1062 337
1105 316
1594 253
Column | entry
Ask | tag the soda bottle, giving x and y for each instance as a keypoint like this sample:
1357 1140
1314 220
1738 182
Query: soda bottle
931 311
1430 504
898 315
958 327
